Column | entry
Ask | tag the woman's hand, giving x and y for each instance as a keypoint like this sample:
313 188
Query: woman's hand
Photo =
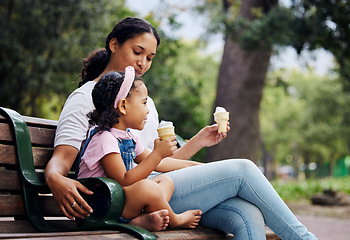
65 191
206 137
209 136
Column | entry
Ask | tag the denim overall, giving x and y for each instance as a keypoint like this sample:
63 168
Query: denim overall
128 154
127 151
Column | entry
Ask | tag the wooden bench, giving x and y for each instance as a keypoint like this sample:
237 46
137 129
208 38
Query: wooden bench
28 209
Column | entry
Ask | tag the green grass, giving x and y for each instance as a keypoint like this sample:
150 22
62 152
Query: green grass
297 190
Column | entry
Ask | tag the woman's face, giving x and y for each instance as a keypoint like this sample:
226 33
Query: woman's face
137 52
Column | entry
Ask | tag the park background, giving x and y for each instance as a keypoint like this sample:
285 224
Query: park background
280 68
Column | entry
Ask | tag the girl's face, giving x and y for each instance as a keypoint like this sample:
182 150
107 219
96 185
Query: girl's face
137 52
136 108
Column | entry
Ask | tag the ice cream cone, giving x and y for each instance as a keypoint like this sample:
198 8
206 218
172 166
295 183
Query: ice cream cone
221 117
166 130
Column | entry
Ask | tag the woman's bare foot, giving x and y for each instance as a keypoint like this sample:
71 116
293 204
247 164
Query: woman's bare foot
188 219
155 221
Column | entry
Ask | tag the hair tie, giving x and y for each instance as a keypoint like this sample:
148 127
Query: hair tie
126 85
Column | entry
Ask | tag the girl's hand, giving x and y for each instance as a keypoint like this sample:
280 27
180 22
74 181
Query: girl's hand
209 135
165 148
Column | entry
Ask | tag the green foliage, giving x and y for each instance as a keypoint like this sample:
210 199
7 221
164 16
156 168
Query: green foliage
42 45
305 189
304 115
304 25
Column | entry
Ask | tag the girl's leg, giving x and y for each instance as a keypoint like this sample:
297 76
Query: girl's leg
147 195
205 186
166 184
235 213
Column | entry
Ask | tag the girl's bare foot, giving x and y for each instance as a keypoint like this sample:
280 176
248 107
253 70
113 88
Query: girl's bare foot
188 219
154 221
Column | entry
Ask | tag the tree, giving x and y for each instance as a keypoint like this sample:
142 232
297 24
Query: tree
239 90
256 27
42 45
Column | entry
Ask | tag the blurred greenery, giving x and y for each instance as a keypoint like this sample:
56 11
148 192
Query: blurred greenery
303 114
298 190
42 45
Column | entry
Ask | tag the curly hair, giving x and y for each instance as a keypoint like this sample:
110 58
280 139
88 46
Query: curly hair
124 30
93 65
103 97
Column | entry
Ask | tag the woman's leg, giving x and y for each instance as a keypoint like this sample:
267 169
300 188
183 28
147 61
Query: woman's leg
205 186
237 216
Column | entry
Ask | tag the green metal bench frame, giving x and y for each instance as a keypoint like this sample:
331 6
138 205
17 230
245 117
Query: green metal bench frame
32 185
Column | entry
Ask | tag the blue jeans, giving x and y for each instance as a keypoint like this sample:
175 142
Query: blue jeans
235 197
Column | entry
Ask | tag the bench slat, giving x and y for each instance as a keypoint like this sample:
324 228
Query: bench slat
40 122
87 235
42 136
9 181
11 205
5 132
8 155
15 227
39 136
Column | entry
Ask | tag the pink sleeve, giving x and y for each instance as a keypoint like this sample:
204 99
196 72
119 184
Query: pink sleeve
100 145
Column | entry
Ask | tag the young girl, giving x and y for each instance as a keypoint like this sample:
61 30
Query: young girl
120 105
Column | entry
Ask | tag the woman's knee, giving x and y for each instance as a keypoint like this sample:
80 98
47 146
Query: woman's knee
242 165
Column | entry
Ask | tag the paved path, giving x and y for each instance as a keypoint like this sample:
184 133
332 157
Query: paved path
327 228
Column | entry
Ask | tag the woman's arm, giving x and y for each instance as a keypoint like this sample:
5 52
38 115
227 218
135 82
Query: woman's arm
206 137
64 189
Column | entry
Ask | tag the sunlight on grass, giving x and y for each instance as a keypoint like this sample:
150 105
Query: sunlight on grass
296 190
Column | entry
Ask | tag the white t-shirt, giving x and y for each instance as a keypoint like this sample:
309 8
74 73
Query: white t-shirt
73 123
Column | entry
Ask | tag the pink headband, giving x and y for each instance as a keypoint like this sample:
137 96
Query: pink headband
126 85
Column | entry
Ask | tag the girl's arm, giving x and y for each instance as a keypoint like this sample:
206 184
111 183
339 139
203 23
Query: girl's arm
114 167
170 164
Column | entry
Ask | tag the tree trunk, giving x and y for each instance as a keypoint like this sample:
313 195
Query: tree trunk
267 161
240 85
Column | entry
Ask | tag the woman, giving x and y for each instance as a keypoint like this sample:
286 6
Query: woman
233 195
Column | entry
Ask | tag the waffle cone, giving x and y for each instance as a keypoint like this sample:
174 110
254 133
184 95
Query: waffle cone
221 118
165 133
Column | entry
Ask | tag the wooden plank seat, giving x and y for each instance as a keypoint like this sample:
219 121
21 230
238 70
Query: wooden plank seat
28 209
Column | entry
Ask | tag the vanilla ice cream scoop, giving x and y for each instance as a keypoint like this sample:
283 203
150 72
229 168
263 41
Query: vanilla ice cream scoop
166 129
220 109
221 117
